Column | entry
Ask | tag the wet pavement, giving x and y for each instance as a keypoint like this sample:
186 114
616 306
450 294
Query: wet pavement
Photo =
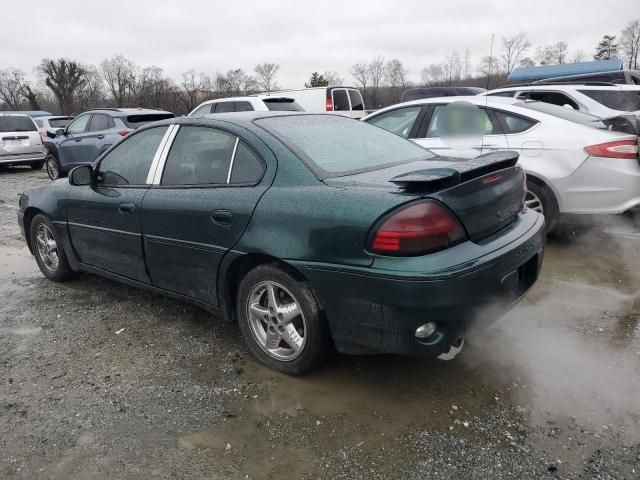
101 381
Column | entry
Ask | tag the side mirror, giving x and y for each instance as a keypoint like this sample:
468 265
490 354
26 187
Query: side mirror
82 175
61 131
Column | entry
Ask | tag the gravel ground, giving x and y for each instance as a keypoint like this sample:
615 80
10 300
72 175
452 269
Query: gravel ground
98 380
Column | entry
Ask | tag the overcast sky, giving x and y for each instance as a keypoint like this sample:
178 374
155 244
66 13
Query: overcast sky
301 36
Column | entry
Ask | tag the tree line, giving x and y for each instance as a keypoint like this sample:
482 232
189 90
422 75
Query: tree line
69 86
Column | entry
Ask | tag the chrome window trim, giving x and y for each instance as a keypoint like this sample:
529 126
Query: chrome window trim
156 158
163 155
233 159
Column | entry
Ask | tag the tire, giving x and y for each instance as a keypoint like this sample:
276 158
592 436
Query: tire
541 199
53 166
41 233
37 165
302 333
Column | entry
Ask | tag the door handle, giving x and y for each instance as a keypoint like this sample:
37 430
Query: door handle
100 137
222 217
77 139
126 207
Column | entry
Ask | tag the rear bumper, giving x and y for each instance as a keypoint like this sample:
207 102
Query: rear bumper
22 158
601 186
373 310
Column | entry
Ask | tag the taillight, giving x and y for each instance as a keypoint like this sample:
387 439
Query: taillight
414 229
620 149
123 133
329 105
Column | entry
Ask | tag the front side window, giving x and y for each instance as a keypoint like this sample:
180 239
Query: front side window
333 145
79 125
199 156
397 121
447 122
340 100
128 163
203 110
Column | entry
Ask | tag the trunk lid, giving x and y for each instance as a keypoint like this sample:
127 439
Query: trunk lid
485 193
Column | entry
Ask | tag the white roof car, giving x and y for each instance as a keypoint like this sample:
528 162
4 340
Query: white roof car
574 164
258 103
602 100
346 101
51 123
20 142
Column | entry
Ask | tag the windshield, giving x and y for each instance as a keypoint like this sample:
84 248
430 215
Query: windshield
16 123
625 100
561 112
337 145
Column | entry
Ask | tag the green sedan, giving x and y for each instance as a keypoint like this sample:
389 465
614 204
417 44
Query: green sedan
314 232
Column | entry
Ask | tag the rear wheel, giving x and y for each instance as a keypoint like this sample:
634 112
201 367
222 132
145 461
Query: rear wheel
53 167
541 199
281 321
37 165
48 251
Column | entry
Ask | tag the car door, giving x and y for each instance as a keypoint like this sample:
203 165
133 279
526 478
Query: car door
93 140
70 144
104 219
202 199
438 133
402 121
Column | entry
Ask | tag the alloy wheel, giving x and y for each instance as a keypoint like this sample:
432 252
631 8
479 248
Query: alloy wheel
47 247
533 202
52 168
276 320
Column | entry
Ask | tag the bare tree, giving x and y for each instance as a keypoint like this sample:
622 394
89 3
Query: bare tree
63 77
560 51
12 84
396 75
512 49
467 64
360 71
265 76
488 66
31 96
527 62
333 78
376 74
91 93
120 75
192 86
433 74
578 56
454 67
630 43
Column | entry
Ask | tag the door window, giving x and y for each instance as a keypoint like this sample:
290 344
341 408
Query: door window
356 100
79 125
223 107
199 156
442 124
340 100
247 167
243 107
100 122
203 110
515 123
128 163
397 121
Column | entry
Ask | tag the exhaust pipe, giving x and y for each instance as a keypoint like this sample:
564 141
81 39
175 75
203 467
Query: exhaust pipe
454 350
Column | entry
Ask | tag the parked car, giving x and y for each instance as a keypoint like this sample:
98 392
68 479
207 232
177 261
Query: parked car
600 100
51 123
253 103
312 231
574 163
345 101
20 142
92 133
432 92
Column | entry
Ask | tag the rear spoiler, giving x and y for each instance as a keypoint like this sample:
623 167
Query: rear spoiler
433 179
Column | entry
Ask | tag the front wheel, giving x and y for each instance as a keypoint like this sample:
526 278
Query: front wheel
53 167
48 250
541 199
281 321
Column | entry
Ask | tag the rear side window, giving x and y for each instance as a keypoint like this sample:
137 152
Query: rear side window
282 105
514 123
555 98
203 110
333 145
16 123
340 100
356 100
243 107
100 122
199 155
397 121
128 163
224 107
136 121
627 101
247 167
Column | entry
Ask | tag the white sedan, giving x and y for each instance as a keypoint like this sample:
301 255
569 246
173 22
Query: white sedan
574 163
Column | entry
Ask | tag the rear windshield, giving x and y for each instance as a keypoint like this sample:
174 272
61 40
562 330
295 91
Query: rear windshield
282 105
59 122
16 123
565 113
333 145
628 101
136 121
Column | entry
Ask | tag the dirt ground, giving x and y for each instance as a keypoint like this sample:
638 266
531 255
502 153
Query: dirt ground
98 380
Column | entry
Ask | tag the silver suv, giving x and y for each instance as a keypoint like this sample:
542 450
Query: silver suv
20 142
